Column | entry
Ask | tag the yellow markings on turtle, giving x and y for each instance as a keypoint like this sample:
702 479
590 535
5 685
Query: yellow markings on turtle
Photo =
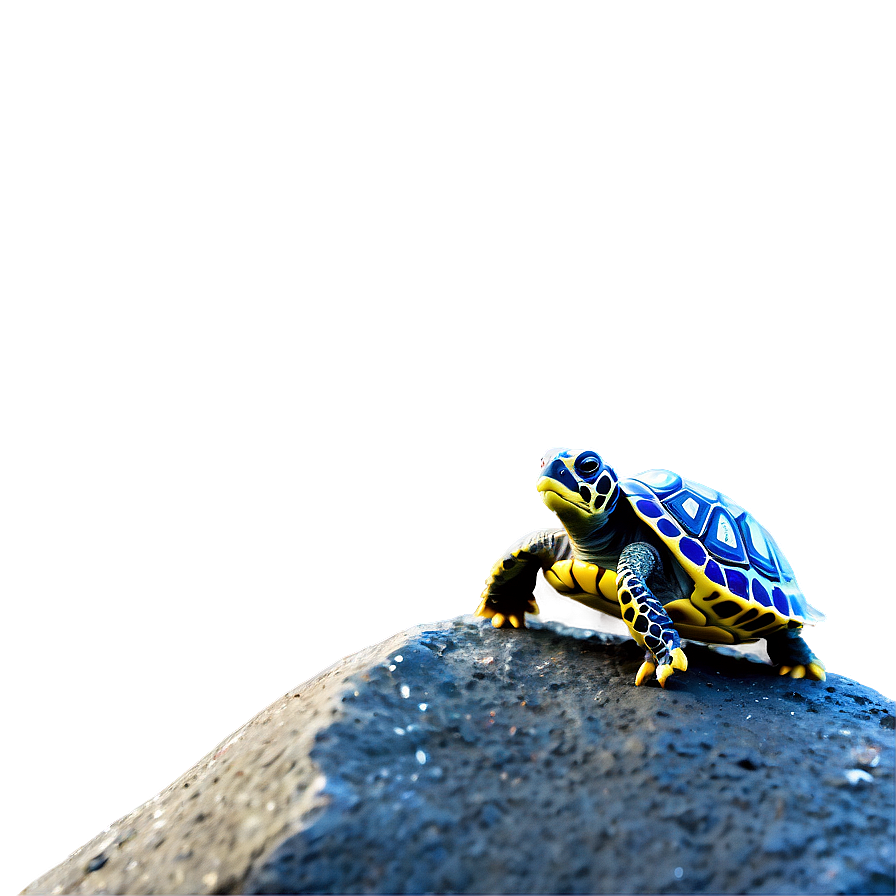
500 619
599 602
586 574
813 670
568 576
679 662
704 592
589 584
684 611
646 670
729 619
596 580
709 633
816 671
607 586
766 621
560 576
663 672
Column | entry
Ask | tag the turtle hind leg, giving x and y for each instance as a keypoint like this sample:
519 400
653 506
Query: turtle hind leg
792 655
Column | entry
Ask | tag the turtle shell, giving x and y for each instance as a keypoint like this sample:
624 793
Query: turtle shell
744 587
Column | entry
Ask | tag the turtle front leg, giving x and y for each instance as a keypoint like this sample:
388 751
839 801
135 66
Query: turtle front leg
509 589
793 656
644 615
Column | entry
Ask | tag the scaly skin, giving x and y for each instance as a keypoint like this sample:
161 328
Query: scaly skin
612 530
509 590
787 650
645 617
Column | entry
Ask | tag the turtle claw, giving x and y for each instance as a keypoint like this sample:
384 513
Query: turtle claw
816 671
646 670
663 672
514 612
678 662
500 620
791 655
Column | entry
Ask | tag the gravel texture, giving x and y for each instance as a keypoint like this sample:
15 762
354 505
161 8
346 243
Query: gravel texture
462 759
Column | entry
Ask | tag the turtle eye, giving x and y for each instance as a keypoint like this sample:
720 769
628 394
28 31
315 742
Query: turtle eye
587 466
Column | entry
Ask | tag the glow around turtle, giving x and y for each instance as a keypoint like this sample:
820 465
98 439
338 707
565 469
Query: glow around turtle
670 557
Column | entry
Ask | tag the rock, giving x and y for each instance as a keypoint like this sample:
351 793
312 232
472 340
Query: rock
463 759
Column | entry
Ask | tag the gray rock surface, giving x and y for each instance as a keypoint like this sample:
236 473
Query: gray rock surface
459 758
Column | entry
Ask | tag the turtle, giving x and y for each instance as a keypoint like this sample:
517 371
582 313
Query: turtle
671 557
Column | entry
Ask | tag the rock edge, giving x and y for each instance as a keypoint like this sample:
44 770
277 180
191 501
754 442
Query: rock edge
526 762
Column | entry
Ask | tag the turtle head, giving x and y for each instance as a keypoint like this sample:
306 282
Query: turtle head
578 486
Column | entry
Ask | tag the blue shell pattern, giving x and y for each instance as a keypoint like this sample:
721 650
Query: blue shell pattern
715 538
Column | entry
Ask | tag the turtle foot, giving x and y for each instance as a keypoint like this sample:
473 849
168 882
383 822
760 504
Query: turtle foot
678 662
515 618
814 671
793 656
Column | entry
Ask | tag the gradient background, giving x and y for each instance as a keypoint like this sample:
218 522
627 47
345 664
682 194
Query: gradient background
295 296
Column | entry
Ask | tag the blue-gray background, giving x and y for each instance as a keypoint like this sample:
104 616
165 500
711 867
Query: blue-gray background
295 297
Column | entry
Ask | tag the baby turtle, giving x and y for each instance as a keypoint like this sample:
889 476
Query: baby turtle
670 557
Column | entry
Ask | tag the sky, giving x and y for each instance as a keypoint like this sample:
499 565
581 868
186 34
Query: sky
295 297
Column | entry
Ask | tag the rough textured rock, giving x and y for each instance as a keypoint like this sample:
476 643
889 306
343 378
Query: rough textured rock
463 759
